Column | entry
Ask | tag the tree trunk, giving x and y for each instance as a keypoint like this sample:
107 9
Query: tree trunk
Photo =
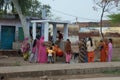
101 26
23 20
101 21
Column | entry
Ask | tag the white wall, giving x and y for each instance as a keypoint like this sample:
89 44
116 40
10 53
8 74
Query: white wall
10 22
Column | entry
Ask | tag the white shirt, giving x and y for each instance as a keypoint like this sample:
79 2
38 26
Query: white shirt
50 52
89 47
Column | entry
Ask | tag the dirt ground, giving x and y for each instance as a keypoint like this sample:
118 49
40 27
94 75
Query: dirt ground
18 61
116 53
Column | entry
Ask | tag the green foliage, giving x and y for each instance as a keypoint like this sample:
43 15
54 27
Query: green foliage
25 5
115 59
28 7
36 9
47 7
17 63
1 7
115 18
1 4
112 72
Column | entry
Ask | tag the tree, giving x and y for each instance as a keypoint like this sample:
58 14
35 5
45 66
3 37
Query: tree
20 10
105 6
115 18
20 7
23 8
36 9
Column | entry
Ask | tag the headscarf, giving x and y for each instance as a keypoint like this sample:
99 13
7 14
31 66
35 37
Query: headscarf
42 40
26 38
25 45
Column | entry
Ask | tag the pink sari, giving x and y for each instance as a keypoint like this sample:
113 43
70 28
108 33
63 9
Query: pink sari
42 54
110 51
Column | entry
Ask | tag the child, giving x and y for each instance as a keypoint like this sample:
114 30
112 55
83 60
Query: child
68 51
54 48
50 55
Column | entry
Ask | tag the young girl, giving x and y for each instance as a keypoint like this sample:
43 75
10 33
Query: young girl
54 48
68 51
50 55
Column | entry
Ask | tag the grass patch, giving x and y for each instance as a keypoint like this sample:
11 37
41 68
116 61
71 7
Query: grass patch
112 72
17 63
115 59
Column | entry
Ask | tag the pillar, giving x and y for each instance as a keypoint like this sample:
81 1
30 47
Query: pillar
16 33
34 30
54 32
0 35
42 29
65 34
46 31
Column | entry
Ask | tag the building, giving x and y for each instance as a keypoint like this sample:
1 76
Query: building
11 30
105 23
88 29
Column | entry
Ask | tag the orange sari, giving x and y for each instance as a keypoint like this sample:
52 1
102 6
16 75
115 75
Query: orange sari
103 52
91 56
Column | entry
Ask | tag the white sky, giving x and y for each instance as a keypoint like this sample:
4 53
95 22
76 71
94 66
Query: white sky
68 9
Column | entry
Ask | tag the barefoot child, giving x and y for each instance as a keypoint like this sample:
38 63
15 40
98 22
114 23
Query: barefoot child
50 55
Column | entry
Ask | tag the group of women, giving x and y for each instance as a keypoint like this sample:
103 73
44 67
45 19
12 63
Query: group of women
106 50
87 49
35 54
40 52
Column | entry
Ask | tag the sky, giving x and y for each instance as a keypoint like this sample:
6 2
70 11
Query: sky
74 10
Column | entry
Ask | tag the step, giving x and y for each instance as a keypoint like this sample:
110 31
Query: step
10 52
58 69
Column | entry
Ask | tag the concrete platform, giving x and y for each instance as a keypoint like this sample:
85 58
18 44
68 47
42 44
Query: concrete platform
105 78
10 52
57 69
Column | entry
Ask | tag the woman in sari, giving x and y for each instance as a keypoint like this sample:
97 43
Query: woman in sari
82 51
110 50
33 55
25 48
42 53
90 50
103 50
68 51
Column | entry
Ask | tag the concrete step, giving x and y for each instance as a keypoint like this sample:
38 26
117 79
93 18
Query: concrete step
10 52
58 69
